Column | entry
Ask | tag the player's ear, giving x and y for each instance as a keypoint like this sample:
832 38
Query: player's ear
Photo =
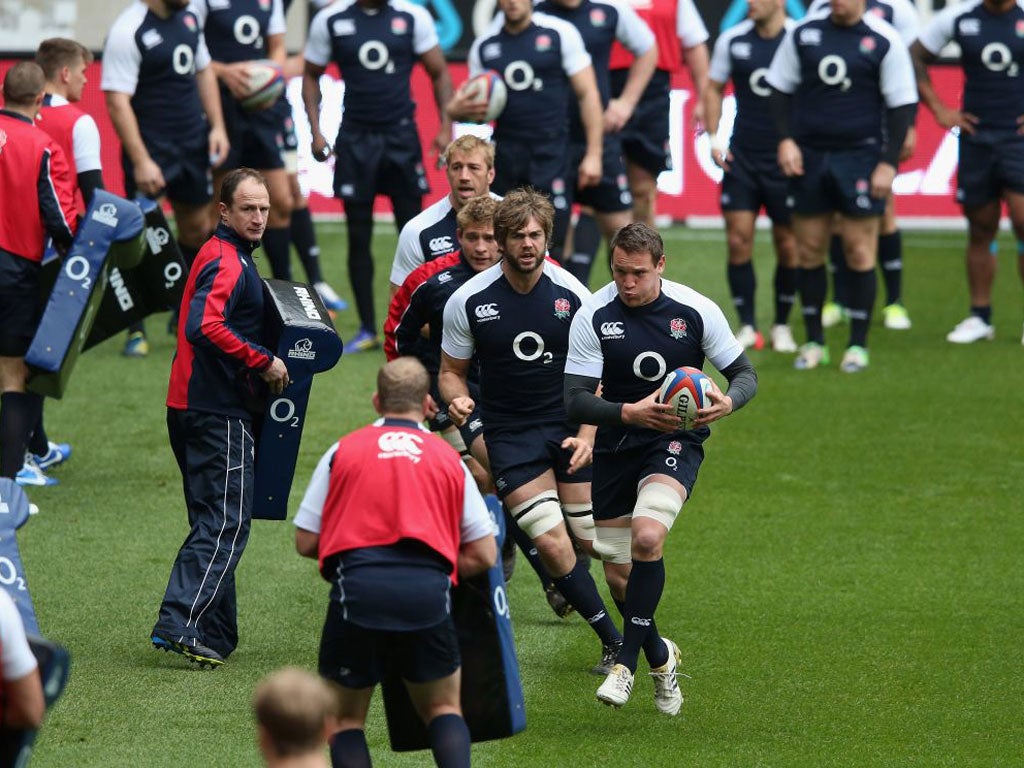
376 403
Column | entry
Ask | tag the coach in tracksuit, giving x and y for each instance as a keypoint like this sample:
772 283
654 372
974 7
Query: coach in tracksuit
217 367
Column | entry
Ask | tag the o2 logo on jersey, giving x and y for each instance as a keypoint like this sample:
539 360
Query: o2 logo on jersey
997 58
758 84
374 55
832 71
519 76
649 366
400 445
247 31
183 60
519 348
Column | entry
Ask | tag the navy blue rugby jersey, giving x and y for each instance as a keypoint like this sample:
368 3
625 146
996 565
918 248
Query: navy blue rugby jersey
992 57
900 13
631 349
743 56
375 49
520 340
536 65
236 30
843 79
155 61
600 23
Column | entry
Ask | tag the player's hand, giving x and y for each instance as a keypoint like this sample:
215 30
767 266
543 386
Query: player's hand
440 144
466 109
235 77
219 147
720 154
276 376
589 173
791 159
721 406
954 118
149 179
881 180
697 117
582 452
320 148
459 409
616 115
909 144
651 414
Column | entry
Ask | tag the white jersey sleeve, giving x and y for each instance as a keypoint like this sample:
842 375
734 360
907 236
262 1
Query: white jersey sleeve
938 32
476 521
906 20
632 31
121 56
201 10
407 255
456 337
784 71
18 659
897 80
476 67
721 62
424 30
86 140
311 509
276 25
585 357
690 27
318 44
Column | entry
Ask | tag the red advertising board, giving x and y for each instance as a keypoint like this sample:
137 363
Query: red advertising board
924 188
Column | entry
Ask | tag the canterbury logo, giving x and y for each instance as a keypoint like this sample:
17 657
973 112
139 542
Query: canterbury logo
400 445
640 622
612 329
486 310
438 244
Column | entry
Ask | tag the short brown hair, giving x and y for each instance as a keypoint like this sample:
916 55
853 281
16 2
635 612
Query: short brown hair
638 237
59 52
233 178
23 83
292 707
401 385
516 209
477 211
467 144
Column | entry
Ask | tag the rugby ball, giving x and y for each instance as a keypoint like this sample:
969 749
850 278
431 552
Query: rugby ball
487 88
266 84
686 390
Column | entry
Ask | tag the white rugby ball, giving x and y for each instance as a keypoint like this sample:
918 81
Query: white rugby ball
686 390
266 84
487 88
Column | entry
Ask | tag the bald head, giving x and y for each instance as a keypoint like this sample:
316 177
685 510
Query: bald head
23 88
402 386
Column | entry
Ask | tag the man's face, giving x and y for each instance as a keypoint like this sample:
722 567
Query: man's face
525 247
76 80
760 10
637 277
516 11
247 214
468 176
479 247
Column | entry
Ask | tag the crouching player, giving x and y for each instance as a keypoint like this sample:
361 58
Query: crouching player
626 338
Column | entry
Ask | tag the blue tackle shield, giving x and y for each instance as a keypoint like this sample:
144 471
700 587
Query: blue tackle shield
300 332
109 235
492 692
13 514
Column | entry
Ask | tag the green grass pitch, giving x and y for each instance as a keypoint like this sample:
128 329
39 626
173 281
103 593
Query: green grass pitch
845 583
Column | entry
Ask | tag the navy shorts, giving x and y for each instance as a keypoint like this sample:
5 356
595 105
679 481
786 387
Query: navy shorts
522 453
837 180
617 473
21 306
754 180
989 165
645 136
540 164
257 138
186 171
379 161
611 194
357 657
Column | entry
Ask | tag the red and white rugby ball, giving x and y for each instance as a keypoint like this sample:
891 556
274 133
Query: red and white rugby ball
487 88
686 390
266 84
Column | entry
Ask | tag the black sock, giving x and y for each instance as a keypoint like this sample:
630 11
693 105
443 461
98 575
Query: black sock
529 551
349 749
586 240
654 647
985 313
840 272
742 285
449 741
360 261
303 237
813 285
19 414
405 208
39 443
890 256
643 592
276 245
785 293
579 589
863 291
